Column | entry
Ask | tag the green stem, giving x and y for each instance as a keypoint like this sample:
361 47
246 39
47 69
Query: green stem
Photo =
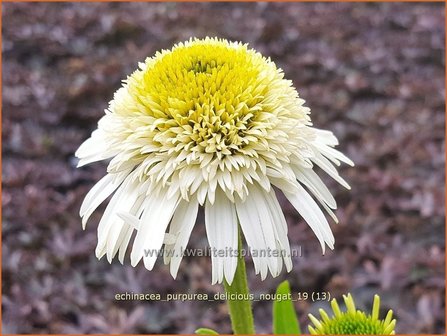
240 309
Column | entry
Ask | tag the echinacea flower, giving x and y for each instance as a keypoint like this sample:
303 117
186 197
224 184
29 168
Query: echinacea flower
353 321
210 123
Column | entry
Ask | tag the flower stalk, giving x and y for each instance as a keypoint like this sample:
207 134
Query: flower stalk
239 303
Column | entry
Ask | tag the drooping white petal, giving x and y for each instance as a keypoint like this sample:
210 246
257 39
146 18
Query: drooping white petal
327 166
125 231
280 228
132 220
124 243
181 227
326 137
119 231
94 149
312 214
312 181
333 154
221 229
257 225
158 211
267 226
329 211
110 225
105 222
99 192
255 240
133 223
325 142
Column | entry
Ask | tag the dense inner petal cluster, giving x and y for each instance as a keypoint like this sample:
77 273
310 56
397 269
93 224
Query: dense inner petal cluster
205 114
205 100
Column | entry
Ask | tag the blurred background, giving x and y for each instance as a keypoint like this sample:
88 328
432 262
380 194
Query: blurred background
372 73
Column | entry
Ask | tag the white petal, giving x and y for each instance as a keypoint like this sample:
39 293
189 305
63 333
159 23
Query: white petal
101 252
327 166
249 222
158 211
280 227
334 155
106 220
124 243
111 225
330 212
258 227
312 181
201 193
112 247
130 219
221 229
267 225
312 214
131 223
118 229
94 149
99 192
325 140
182 225
326 137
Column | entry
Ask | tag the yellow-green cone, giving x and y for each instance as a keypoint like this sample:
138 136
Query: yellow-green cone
353 321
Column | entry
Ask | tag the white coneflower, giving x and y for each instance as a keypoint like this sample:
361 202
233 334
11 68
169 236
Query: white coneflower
215 124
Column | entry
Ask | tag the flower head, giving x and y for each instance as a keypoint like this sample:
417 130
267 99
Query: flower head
353 321
210 123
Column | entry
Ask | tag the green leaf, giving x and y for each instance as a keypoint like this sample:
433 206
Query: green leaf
206 331
285 321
